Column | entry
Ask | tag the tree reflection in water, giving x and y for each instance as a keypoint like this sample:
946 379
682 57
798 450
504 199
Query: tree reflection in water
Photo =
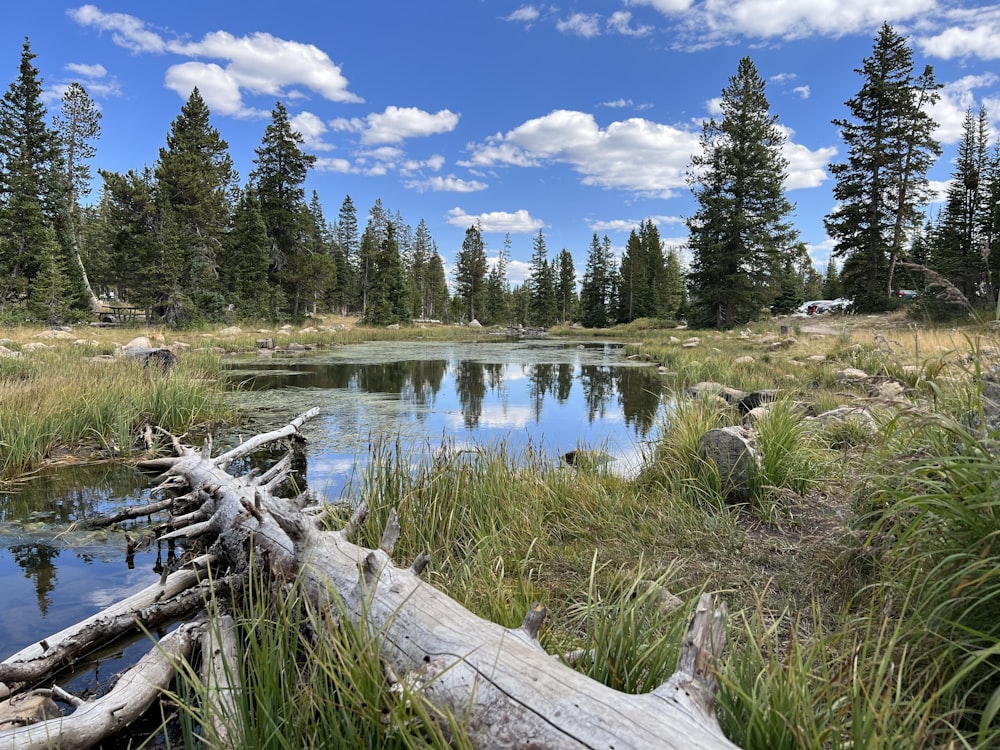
35 559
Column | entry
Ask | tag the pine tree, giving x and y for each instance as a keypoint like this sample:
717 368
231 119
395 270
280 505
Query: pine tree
740 233
387 297
881 186
437 300
346 242
596 292
674 292
51 289
566 287
244 260
542 310
371 240
194 181
960 237
31 186
281 170
470 273
498 287
78 124
832 288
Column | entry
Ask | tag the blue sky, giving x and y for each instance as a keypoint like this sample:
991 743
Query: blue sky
570 119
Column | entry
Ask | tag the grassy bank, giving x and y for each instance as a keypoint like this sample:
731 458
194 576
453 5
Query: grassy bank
862 573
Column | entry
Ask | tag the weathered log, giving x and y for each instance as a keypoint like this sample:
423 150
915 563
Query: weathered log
130 698
490 676
221 676
34 662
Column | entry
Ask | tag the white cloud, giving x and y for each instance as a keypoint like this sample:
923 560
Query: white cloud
783 78
340 166
714 106
265 64
973 33
518 222
617 103
312 128
956 99
620 22
217 87
257 64
634 154
127 31
627 225
525 14
666 7
87 71
396 124
714 22
449 184
803 91
587 25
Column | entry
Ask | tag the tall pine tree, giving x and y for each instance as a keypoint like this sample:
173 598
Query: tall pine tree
883 183
740 234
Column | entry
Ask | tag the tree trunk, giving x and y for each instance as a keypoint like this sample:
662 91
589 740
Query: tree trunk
499 681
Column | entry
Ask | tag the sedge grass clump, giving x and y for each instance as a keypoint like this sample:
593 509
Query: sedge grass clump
309 679
942 525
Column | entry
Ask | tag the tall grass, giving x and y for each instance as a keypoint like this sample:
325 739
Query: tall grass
310 679
57 401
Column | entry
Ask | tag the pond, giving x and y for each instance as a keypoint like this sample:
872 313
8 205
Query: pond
555 396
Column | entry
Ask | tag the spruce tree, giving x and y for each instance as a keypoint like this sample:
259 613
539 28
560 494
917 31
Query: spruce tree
566 296
883 183
542 309
470 273
281 170
31 186
596 291
244 260
498 287
387 302
194 182
740 233
346 242
960 242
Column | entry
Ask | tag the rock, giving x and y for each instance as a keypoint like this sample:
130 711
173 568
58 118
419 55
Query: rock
230 331
756 398
25 709
35 346
711 388
856 417
732 451
746 360
475 324
6 353
139 342
850 374
56 333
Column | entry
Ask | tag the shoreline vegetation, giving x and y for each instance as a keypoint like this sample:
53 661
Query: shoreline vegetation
862 573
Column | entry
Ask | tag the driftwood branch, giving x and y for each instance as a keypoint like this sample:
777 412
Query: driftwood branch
132 695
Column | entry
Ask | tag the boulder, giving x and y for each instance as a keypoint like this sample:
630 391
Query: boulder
732 451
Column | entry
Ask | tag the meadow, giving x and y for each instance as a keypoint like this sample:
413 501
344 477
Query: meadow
862 572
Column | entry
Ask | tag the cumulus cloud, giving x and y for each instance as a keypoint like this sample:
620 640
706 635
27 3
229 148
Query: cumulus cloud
396 124
620 22
587 25
803 91
525 14
256 64
126 31
449 184
713 22
312 128
627 225
338 166
637 155
634 154
517 222
87 71
970 32
956 99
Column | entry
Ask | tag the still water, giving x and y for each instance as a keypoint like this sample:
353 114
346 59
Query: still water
555 396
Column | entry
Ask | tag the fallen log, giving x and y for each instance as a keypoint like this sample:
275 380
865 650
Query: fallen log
499 682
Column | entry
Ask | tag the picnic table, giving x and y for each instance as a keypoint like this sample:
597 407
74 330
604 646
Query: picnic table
112 314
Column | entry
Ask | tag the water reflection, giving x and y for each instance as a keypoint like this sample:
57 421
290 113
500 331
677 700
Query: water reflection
557 395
